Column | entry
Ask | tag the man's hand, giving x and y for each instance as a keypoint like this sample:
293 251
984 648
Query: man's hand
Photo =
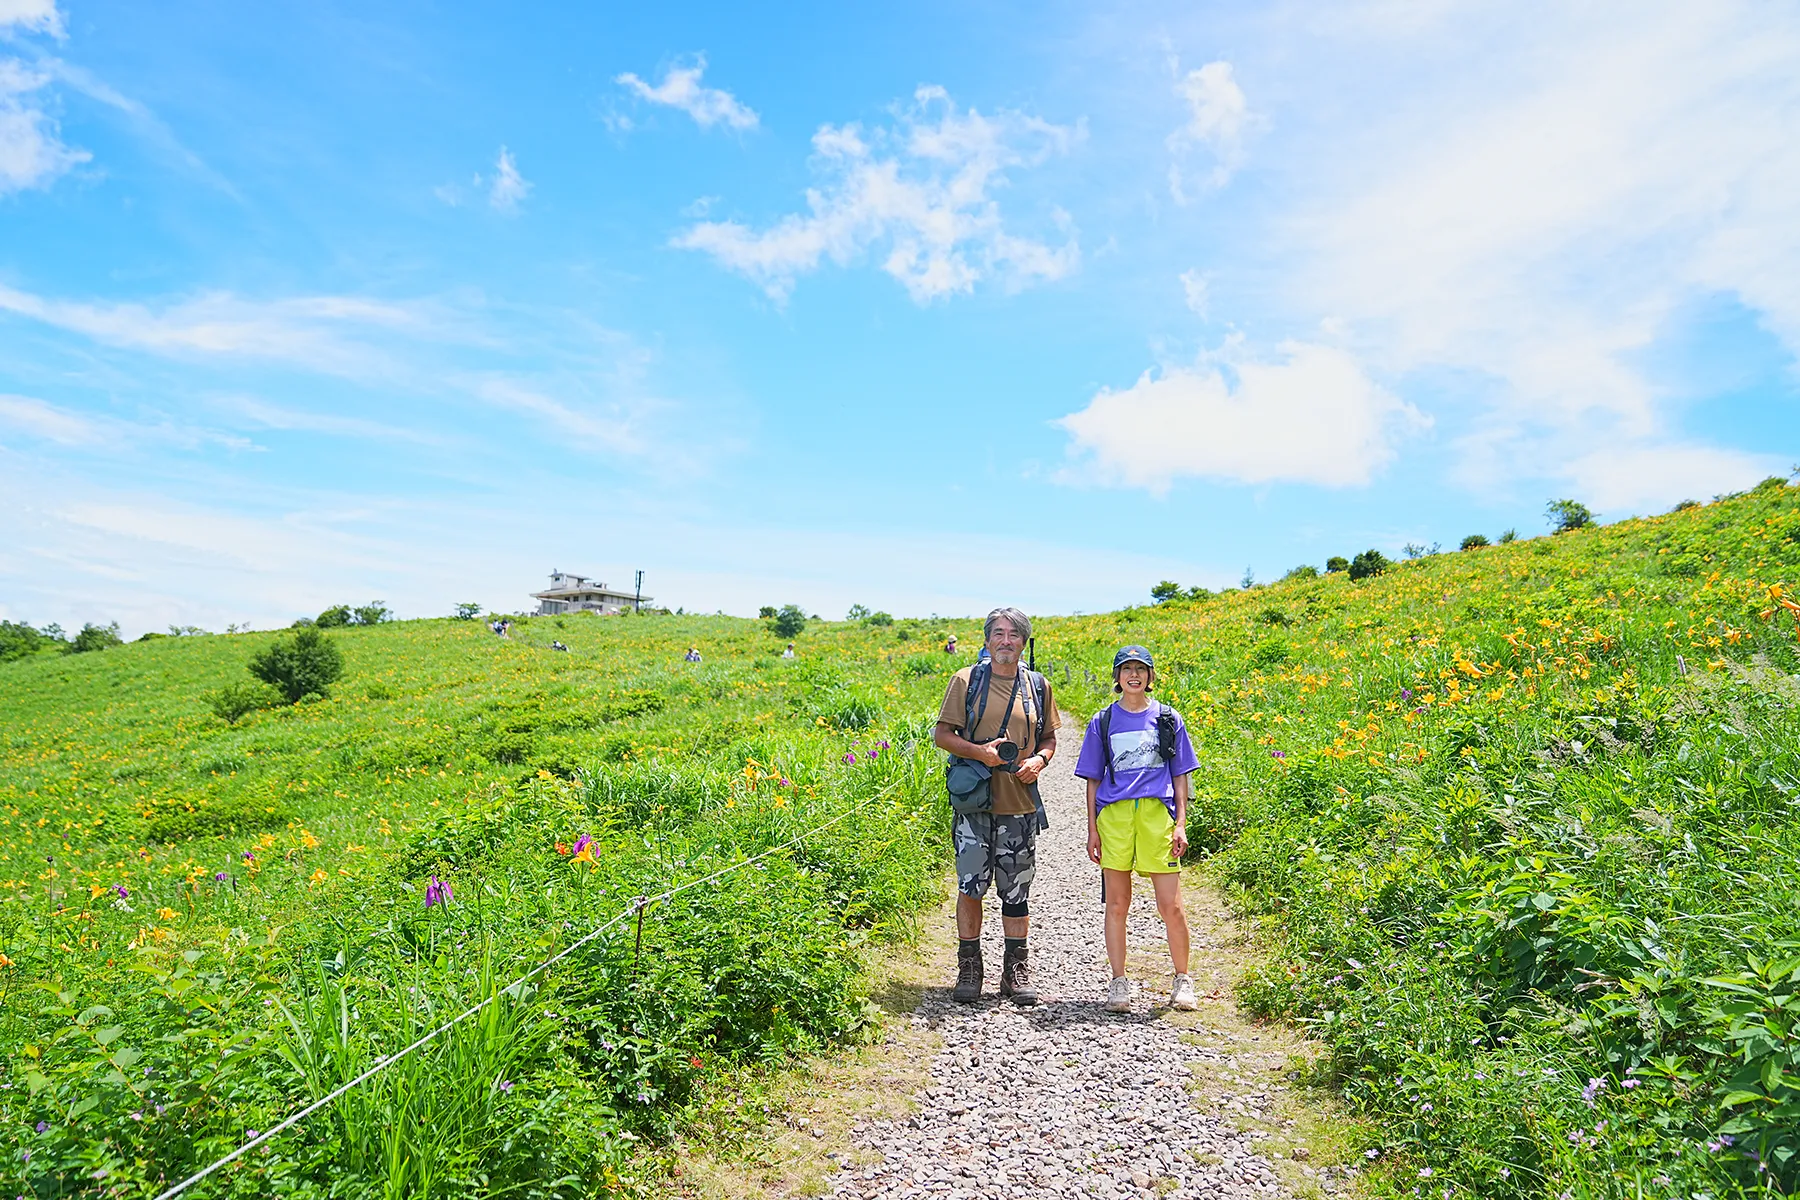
1094 845
1178 842
985 752
1030 769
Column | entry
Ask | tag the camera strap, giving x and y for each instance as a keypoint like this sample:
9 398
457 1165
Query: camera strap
980 678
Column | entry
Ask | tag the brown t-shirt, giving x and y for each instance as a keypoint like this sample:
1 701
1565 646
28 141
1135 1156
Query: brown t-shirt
1010 796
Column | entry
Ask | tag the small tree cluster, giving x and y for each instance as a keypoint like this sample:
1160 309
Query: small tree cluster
1566 516
306 664
1368 564
94 637
1303 571
1336 563
1169 590
1474 541
19 640
766 613
372 613
468 611
789 622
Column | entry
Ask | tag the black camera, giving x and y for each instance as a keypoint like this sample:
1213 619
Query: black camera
1009 755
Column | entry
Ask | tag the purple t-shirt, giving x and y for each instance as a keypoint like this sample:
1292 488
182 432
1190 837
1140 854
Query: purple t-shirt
1138 768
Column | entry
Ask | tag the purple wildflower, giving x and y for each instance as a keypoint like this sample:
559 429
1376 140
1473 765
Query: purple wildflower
42 1125
123 892
874 754
1406 693
438 892
219 876
250 1135
1419 711
582 843
786 782
28 1156
1594 1087
1632 1083
249 856
883 744
850 758
506 1085
1278 754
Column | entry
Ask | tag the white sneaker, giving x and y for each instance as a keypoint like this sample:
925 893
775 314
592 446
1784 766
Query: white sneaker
1182 994
1118 996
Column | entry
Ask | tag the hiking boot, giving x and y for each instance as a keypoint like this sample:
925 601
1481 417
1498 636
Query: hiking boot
1118 996
1015 978
968 975
1182 996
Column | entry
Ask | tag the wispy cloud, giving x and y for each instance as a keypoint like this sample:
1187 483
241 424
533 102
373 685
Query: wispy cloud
32 153
681 88
39 420
293 420
508 188
1218 116
1310 415
923 191
31 16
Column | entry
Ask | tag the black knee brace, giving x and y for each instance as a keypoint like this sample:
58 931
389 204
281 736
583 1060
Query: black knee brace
1020 909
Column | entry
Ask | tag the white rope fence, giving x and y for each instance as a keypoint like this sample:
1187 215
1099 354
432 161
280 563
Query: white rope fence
637 906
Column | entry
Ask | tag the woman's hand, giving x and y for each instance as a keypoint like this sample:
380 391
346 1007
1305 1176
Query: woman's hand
1094 845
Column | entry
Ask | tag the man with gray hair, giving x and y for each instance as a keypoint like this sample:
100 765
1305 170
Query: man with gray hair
998 723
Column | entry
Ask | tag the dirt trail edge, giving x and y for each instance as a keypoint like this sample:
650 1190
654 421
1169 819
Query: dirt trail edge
1064 1099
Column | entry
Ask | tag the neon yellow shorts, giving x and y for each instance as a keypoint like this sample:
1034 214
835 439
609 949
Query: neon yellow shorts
1137 835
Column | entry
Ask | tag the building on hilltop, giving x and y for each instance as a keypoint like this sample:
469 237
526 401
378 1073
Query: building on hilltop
577 593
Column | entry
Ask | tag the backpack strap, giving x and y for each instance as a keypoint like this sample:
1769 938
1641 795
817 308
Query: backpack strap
1040 688
1106 742
978 678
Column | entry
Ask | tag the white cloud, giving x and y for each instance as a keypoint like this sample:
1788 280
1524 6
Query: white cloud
274 416
40 420
1643 479
1535 208
508 188
922 191
31 16
1218 116
1193 290
611 430
681 88
32 153
1313 416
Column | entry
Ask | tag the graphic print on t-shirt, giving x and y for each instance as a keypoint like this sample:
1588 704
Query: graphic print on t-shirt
1135 750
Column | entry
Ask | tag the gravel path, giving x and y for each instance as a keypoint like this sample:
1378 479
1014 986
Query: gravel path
1066 1099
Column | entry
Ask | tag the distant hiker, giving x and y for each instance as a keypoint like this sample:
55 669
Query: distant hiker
1136 759
998 722
789 652
556 645
692 655
950 645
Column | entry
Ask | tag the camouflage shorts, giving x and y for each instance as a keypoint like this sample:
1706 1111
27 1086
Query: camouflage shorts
996 848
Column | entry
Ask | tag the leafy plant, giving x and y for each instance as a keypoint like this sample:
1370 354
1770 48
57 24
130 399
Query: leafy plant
1336 563
372 613
468 611
789 622
94 637
235 701
335 617
1303 571
1566 516
306 664
1474 541
1368 564
17 640
1508 536
1165 591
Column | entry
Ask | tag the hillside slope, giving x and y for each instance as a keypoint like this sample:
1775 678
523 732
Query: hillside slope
1521 825
204 925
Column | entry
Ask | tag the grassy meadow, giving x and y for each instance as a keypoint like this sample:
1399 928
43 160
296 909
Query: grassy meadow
1517 826
1522 827
204 926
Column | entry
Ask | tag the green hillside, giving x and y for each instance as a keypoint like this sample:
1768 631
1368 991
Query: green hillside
1520 823
188 908
1517 825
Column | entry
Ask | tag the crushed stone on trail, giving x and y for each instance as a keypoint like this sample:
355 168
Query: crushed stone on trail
1064 1099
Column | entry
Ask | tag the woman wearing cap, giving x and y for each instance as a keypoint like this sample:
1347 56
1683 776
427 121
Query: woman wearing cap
1136 759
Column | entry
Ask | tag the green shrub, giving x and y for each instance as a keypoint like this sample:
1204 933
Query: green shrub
306 664
372 613
94 637
18 640
179 818
879 619
1684 505
335 617
1474 541
468 611
1566 516
1508 536
235 701
1368 564
1165 591
790 622
1336 563
1272 651
766 612
1303 571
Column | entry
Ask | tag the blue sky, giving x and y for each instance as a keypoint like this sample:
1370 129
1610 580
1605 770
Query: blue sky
929 308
